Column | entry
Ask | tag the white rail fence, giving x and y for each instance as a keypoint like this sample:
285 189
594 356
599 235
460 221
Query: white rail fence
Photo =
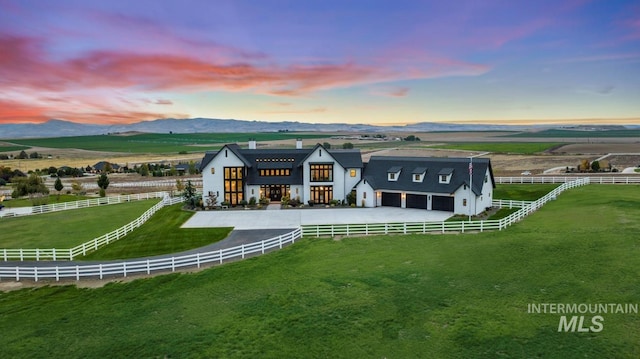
93 202
594 179
56 254
148 266
197 182
526 208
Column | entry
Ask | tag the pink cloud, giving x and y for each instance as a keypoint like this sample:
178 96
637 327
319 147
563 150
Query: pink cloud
390 91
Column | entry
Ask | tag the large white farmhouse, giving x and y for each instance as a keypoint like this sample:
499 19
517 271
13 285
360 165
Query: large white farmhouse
320 175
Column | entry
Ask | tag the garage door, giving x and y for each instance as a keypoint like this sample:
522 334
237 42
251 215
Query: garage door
391 199
442 203
416 201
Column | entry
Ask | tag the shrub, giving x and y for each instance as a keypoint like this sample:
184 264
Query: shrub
334 202
311 202
264 201
252 201
243 203
294 202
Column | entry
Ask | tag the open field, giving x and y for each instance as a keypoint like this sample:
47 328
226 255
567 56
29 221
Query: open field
67 229
437 296
155 143
554 133
160 235
460 144
525 148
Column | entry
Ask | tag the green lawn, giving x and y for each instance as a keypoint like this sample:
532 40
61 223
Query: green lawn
413 296
51 199
160 235
502 147
67 229
523 192
158 143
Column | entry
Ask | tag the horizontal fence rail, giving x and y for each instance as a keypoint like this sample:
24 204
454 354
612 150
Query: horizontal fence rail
39 254
594 179
148 266
159 183
526 208
93 202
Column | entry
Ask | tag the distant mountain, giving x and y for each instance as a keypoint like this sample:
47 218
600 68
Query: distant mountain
60 128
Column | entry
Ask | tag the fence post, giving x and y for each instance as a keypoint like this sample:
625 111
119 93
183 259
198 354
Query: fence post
173 264
21 255
197 259
57 275
442 226
220 252
35 273
17 274
124 268
5 254
70 254
77 272
262 246
242 249
148 267
100 270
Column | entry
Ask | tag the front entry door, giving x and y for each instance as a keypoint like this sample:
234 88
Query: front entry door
275 193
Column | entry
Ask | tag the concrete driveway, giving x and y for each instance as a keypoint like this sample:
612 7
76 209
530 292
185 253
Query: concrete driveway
293 218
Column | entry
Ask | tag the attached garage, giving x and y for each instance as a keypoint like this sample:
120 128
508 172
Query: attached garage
416 201
391 199
442 203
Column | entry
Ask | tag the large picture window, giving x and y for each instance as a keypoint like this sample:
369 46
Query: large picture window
321 194
233 185
321 172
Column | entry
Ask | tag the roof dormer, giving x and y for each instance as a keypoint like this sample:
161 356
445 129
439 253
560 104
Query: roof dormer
444 176
418 174
393 173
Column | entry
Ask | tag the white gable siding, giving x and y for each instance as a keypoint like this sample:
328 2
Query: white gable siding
320 155
350 182
215 182
486 199
370 200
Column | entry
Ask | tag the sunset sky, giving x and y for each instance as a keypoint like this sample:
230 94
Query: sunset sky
378 62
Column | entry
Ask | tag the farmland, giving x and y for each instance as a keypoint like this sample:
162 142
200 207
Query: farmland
444 296
526 148
154 143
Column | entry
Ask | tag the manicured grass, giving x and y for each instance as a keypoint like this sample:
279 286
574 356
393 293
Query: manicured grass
414 296
161 234
523 192
526 148
67 229
51 199
554 133
158 143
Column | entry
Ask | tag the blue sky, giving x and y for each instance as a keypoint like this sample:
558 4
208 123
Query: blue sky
379 62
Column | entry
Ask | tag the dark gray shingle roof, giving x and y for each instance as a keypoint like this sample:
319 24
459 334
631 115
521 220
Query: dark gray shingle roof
375 173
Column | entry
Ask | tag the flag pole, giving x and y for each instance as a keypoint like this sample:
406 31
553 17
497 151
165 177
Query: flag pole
470 184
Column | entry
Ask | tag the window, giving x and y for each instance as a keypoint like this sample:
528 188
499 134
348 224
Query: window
275 172
464 202
445 179
364 195
486 179
321 172
233 185
213 170
321 194
392 176
352 173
